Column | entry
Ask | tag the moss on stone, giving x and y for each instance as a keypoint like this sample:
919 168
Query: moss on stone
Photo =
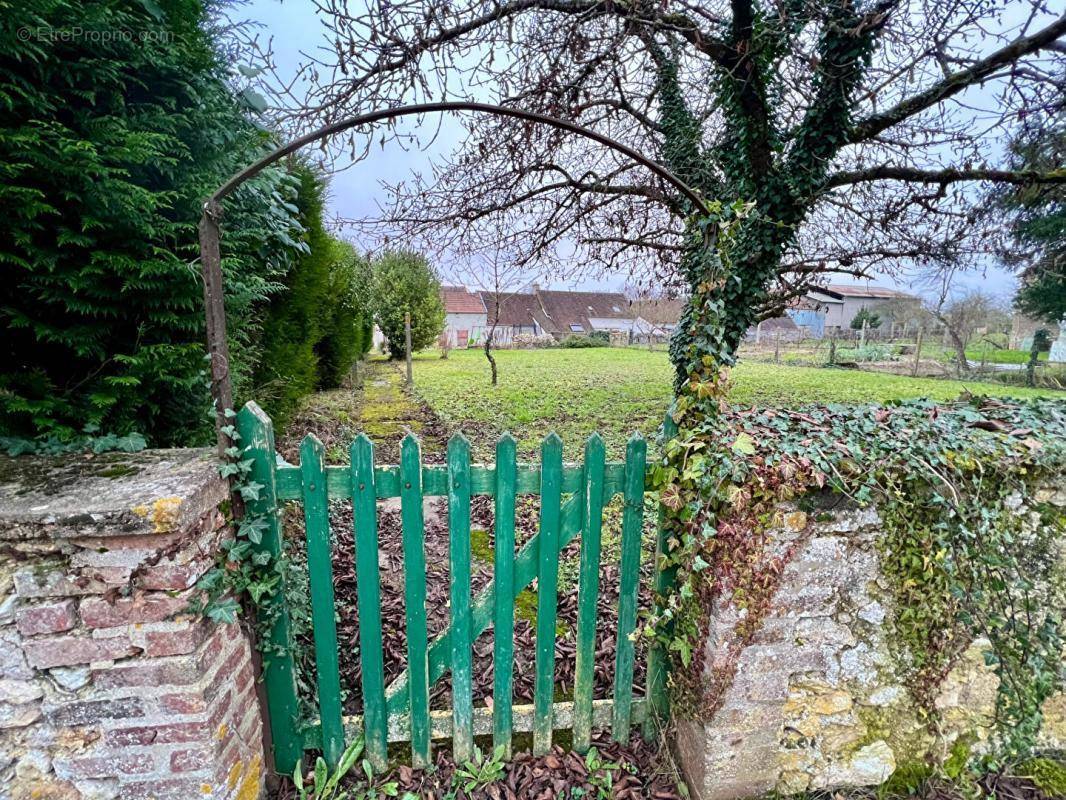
906 780
899 726
959 757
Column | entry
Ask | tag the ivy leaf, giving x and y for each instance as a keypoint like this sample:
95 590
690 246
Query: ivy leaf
744 444
224 611
250 491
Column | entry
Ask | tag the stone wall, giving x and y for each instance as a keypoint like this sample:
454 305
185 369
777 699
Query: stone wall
107 689
816 700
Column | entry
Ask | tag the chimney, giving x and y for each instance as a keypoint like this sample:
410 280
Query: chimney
536 288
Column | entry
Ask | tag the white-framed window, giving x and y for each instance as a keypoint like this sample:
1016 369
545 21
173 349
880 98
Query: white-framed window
577 328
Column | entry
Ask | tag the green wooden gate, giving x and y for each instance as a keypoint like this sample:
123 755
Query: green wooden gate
400 712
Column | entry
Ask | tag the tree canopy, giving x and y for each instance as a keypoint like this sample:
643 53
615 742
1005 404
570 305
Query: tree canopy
405 283
1038 225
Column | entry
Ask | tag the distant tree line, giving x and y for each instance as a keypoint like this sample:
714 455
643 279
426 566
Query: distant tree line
107 146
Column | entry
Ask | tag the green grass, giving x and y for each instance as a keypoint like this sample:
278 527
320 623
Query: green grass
619 390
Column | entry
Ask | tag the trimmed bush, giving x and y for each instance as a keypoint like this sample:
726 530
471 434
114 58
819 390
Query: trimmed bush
315 328
404 282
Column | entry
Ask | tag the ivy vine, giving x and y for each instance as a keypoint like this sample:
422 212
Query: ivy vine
949 480
244 572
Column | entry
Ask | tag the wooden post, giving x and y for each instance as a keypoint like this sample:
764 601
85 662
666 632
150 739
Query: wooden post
777 347
215 319
758 332
832 350
917 353
407 343
862 336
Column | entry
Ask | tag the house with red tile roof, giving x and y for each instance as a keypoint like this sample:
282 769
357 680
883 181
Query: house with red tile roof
539 312
464 315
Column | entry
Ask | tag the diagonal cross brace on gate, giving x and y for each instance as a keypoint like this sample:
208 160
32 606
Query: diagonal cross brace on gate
400 712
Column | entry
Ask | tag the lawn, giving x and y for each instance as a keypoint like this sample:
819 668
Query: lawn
619 390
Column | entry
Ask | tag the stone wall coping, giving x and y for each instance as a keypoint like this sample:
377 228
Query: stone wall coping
107 495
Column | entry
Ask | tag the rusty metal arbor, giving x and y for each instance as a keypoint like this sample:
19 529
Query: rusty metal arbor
571 498
210 258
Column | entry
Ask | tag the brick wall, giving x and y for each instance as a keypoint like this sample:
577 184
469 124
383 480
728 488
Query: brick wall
107 688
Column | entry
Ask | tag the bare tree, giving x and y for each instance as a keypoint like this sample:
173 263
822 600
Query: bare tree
963 314
500 276
855 131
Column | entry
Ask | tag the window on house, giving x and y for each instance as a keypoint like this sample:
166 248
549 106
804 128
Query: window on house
576 328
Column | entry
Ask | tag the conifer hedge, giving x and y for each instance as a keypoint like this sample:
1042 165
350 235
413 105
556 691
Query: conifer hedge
119 116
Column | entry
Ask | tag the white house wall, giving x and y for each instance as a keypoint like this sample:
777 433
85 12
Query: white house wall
473 324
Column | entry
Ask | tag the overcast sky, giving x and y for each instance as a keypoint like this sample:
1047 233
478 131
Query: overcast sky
357 192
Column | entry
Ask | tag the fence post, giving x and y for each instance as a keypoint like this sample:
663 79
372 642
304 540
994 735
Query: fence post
917 353
658 658
407 345
777 347
279 671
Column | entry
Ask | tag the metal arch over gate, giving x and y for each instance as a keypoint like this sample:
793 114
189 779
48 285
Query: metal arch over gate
211 260
401 711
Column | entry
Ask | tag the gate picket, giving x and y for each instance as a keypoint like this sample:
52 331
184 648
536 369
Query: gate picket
663 579
320 573
503 570
588 591
551 484
368 580
401 711
459 571
414 575
629 577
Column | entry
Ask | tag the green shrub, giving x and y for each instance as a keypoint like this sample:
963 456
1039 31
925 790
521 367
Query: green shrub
314 330
871 319
576 341
404 282
347 327
107 147
869 352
